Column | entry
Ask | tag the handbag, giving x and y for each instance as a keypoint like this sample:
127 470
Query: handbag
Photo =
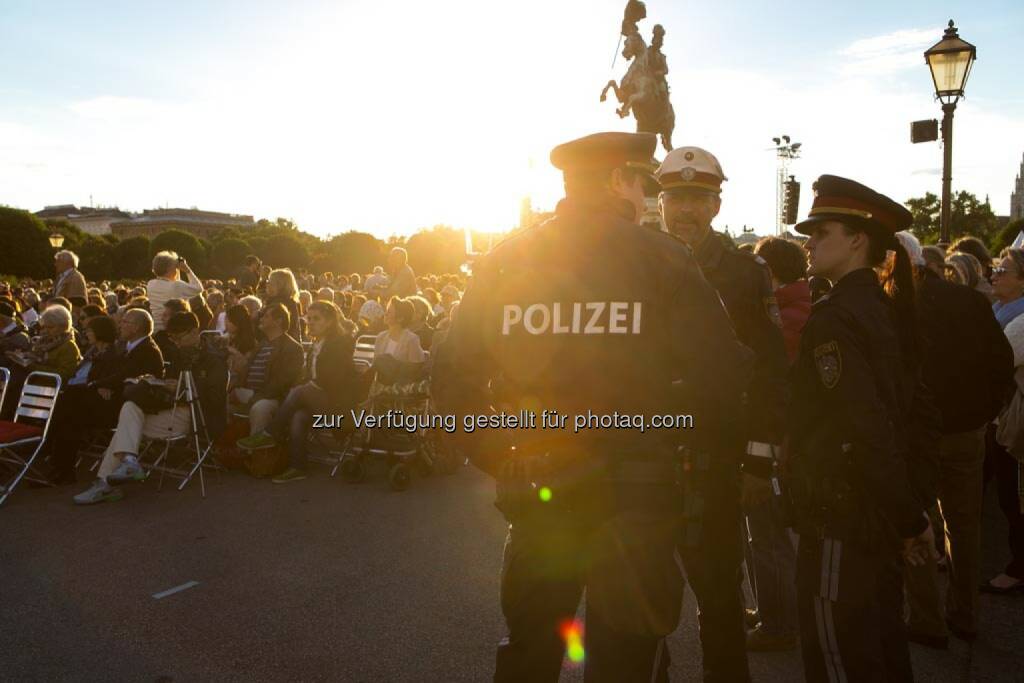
267 462
1010 429
150 398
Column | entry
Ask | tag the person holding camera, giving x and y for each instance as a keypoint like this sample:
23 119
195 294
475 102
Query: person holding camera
153 409
174 280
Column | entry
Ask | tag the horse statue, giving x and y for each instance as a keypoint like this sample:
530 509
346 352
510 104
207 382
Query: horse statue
644 91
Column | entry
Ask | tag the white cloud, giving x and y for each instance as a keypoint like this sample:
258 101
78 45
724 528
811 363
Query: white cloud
888 53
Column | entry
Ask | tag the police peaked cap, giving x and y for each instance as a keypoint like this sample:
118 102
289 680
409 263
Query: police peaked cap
605 151
840 199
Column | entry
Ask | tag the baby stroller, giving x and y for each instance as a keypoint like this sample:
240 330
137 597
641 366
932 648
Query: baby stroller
399 399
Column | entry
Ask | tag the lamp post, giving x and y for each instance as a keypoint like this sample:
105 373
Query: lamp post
950 61
56 240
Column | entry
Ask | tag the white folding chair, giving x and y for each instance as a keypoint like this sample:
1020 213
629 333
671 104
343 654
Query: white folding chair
196 439
5 379
29 429
364 348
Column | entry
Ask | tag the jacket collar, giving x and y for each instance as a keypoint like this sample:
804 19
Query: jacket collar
856 279
577 205
709 252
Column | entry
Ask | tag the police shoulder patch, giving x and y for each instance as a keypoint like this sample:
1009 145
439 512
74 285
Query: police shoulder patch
829 362
771 307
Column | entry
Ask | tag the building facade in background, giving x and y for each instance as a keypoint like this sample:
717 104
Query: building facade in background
1017 196
88 219
113 221
202 224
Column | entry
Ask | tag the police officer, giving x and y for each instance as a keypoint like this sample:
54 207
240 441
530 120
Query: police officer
588 313
691 182
852 422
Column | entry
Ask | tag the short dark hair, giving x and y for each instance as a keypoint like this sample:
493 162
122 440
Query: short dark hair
787 260
177 305
103 327
92 310
181 322
252 260
405 310
279 313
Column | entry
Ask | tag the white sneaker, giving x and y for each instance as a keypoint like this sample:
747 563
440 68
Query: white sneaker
128 471
99 492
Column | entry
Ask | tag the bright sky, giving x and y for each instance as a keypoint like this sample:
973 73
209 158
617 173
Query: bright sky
392 116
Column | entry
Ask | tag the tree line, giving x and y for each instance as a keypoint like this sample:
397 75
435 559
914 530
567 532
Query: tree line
25 249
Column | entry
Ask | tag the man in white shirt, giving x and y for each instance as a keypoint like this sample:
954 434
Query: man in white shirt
168 283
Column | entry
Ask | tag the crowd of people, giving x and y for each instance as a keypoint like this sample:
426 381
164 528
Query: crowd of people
272 346
276 347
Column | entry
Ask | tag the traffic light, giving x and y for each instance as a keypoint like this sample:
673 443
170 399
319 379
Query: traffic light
790 201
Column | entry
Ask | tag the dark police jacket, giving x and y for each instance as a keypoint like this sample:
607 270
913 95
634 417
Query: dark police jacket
588 312
853 411
745 285
968 362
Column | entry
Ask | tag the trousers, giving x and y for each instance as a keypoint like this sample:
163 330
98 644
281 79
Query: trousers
961 458
774 564
1005 469
850 608
633 586
133 424
294 419
713 563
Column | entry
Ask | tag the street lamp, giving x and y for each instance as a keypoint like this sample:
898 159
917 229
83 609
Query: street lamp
56 240
950 61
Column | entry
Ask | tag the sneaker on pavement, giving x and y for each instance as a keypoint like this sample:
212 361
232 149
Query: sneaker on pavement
256 442
759 641
127 472
99 492
290 474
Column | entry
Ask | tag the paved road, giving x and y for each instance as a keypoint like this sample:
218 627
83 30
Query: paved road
317 580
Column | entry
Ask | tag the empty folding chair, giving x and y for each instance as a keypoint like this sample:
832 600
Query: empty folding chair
22 439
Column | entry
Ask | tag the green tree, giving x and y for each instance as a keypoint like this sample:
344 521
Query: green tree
96 257
968 216
130 259
25 250
185 244
285 250
229 256
927 213
442 249
1005 237
324 262
356 252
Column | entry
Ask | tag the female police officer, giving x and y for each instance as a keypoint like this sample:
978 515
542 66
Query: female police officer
851 417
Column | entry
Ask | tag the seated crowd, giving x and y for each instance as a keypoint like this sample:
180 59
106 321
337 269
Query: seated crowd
270 346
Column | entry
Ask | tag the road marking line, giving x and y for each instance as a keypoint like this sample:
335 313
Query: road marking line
176 589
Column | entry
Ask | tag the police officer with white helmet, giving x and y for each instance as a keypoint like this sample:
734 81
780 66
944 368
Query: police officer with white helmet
691 185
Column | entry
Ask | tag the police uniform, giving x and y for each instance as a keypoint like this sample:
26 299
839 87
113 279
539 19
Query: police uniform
850 429
589 314
713 560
